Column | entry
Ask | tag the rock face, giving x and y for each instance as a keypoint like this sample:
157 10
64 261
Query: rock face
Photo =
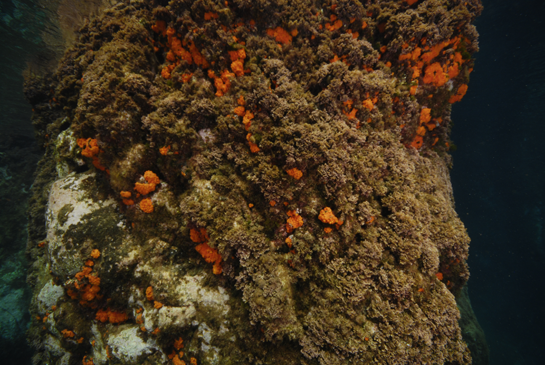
254 183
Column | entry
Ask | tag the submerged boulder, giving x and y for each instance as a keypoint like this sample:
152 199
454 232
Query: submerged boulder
264 182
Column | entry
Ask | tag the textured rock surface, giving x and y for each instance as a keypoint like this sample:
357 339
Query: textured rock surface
256 117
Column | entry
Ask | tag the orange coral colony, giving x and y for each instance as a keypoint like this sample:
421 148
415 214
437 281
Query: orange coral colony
90 149
210 255
199 235
294 221
280 35
152 181
146 205
295 173
253 146
95 253
149 293
435 75
326 215
459 94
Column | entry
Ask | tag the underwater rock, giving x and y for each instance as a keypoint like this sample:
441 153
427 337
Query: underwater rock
265 182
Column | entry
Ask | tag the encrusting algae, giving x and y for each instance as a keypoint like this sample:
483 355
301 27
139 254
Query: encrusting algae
266 179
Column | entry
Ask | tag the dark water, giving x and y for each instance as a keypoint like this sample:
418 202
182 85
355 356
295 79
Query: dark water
499 179
498 175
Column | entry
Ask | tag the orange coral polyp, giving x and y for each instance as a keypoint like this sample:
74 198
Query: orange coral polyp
146 205
210 255
149 293
247 120
294 221
239 110
280 35
125 194
144 189
95 254
368 104
326 215
199 235
238 68
425 115
90 147
151 177
295 173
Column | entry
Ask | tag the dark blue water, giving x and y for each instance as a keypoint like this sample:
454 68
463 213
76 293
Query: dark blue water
499 179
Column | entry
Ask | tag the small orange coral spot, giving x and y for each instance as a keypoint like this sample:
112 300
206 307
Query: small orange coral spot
239 110
164 150
67 333
151 177
125 194
425 115
294 221
210 15
144 189
250 205
176 361
280 35
253 147
146 205
210 255
193 361
328 229
288 242
247 120
439 276
80 340
326 215
179 344
128 201
198 236
157 305
295 173
272 203
417 142
238 67
368 104
149 293
95 253
87 362
421 290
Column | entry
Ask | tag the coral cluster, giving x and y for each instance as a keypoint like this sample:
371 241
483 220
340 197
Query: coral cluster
301 147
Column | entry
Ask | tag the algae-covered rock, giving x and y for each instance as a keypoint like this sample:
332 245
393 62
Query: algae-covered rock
266 182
